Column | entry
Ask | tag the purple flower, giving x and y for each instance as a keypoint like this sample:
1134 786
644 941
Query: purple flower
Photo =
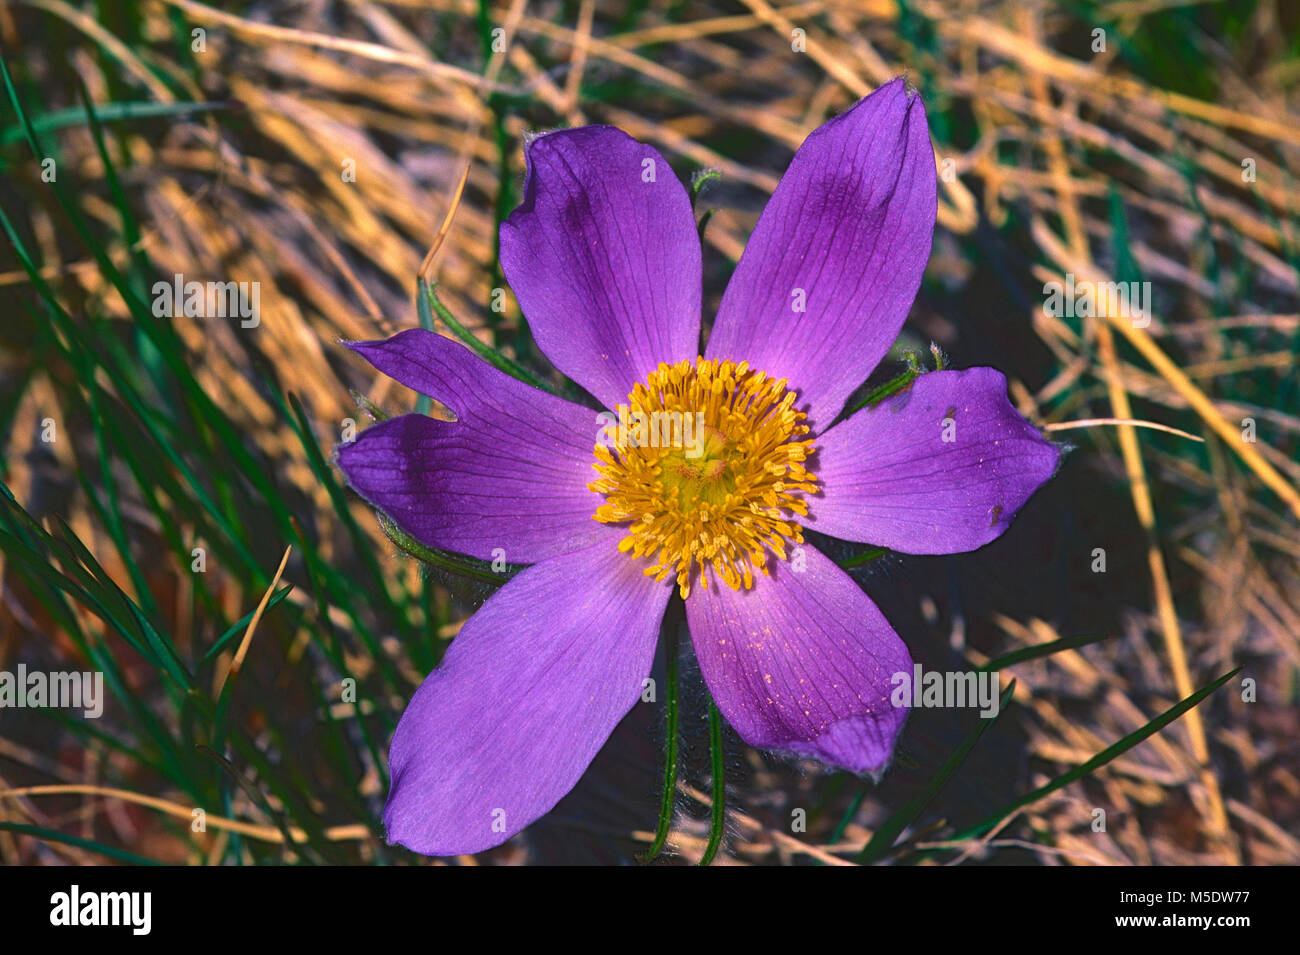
604 257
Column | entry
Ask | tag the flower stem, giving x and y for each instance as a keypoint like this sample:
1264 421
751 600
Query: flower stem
719 785
670 735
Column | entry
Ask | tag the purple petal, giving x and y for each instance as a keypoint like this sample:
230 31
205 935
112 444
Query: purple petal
848 229
802 663
528 693
890 478
606 265
510 473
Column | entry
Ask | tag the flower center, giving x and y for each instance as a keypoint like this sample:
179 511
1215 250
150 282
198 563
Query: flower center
707 465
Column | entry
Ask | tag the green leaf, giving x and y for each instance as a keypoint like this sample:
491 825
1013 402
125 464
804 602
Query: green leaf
429 294
891 387
865 557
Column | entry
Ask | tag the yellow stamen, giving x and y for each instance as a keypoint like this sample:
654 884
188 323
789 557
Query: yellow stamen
717 482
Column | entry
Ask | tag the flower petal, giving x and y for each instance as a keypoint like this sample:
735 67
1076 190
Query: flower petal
848 231
511 472
606 266
802 663
890 478
529 691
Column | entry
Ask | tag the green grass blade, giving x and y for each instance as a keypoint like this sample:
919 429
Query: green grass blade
1041 650
1101 759
53 835
883 838
112 113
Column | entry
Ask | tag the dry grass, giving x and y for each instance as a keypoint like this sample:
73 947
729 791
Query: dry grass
1050 139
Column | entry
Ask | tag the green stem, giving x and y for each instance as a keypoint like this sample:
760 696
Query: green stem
719 785
671 626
